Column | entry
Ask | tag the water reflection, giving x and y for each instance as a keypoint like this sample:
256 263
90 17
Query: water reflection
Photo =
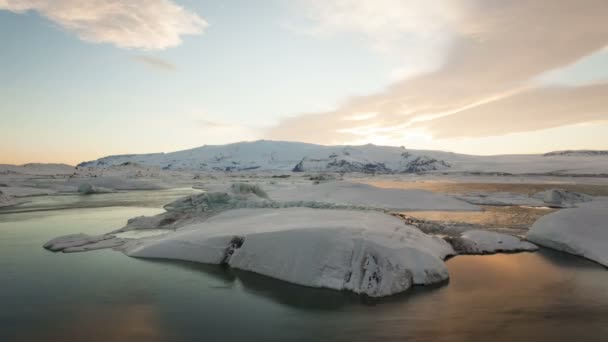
491 216
102 322
527 297
466 187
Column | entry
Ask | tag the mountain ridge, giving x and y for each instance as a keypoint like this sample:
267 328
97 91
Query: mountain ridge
269 155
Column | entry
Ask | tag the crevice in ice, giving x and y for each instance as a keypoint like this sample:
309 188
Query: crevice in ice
372 275
235 243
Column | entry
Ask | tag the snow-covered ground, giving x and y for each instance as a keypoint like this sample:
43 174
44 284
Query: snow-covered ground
365 252
366 195
581 231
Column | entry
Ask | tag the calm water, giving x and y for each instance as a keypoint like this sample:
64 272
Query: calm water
144 198
106 296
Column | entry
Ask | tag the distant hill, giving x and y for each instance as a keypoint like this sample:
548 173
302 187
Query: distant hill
265 155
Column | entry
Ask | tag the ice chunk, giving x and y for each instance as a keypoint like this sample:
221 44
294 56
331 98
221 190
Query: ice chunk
502 199
102 244
88 189
246 188
487 242
74 240
365 252
581 231
556 198
562 198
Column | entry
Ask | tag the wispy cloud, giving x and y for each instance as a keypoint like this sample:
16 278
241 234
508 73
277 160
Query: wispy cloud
415 31
141 24
497 49
155 62
534 109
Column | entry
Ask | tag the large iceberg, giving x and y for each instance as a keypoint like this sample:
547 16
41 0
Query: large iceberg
581 231
365 252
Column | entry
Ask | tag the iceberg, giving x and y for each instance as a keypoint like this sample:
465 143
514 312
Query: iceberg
365 252
554 198
88 189
486 242
580 231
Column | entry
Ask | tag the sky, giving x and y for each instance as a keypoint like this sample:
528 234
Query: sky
84 79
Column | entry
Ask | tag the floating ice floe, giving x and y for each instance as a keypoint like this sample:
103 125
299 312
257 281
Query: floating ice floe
78 242
88 189
563 198
365 252
486 242
580 231
555 198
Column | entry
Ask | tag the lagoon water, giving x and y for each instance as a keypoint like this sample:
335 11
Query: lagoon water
107 296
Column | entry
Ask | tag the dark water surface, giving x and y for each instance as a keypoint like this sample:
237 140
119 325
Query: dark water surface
106 296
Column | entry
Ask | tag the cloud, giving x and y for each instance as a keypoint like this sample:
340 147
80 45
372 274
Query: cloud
534 109
496 50
223 132
383 22
417 31
140 24
205 123
155 62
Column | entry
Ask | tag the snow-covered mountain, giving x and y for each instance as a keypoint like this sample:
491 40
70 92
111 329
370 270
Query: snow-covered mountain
257 155
265 155
370 158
